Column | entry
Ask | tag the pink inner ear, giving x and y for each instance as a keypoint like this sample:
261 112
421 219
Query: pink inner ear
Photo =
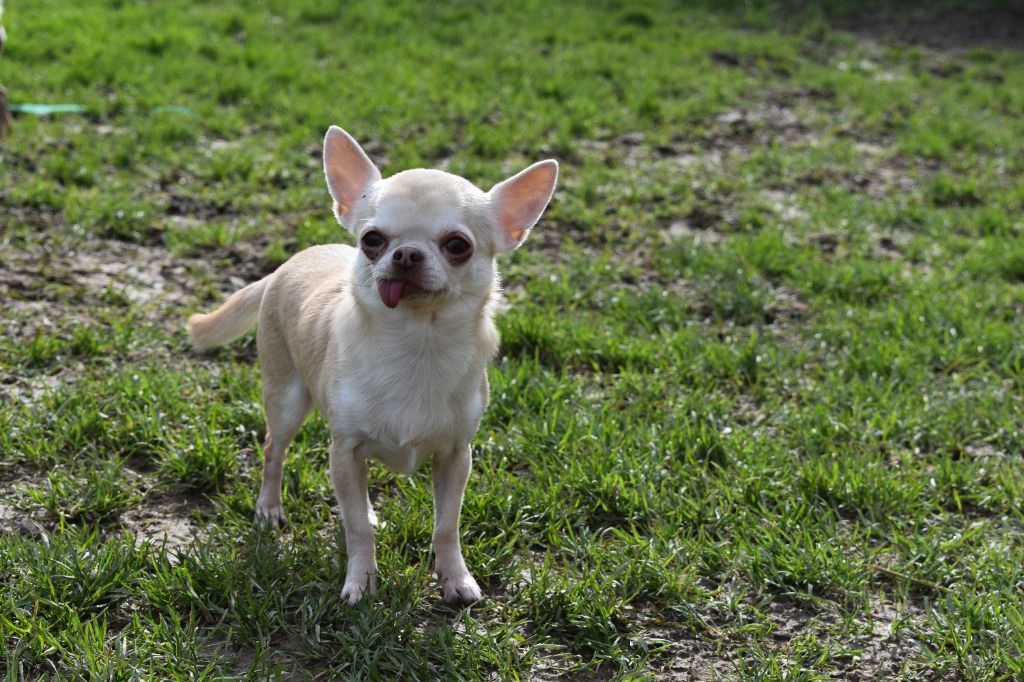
348 169
521 199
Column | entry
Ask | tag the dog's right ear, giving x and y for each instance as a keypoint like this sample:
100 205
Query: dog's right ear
350 173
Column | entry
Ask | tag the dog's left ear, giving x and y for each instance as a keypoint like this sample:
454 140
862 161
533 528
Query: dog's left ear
349 171
519 201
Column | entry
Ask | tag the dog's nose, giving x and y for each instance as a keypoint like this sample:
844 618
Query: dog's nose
407 257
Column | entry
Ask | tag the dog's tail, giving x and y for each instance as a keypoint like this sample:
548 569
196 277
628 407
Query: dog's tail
237 316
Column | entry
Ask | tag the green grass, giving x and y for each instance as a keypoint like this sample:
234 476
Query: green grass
757 412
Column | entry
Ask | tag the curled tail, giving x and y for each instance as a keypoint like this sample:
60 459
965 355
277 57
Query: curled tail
237 316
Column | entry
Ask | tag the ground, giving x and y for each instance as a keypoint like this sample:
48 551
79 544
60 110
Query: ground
757 412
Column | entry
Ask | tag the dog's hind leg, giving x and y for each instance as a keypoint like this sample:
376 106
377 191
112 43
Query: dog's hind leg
286 402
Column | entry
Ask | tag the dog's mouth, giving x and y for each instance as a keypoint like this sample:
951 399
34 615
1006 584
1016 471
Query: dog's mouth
394 290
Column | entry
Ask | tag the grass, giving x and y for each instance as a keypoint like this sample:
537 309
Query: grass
757 411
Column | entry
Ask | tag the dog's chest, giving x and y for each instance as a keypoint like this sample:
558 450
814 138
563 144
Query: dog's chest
406 400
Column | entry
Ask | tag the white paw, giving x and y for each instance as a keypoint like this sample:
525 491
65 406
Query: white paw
372 517
270 515
460 589
355 588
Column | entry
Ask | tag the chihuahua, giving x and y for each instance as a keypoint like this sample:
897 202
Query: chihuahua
390 340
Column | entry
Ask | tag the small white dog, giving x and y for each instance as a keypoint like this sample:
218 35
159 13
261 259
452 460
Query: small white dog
389 340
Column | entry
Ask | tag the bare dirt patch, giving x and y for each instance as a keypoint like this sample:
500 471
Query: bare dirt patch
951 28
875 645
55 286
687 228
783 117
776 120
18 521
168 521
49 279
693 660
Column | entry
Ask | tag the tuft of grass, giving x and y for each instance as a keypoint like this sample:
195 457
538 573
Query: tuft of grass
96 492
201 458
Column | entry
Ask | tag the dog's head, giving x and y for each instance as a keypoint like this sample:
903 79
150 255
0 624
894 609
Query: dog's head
428 238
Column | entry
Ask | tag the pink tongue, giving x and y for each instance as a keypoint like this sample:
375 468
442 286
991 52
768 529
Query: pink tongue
390 291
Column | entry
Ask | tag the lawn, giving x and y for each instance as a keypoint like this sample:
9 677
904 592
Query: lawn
757 413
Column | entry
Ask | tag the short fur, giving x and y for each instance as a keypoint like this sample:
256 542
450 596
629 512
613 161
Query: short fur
390 341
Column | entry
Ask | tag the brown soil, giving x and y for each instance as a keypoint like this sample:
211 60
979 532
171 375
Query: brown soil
952 28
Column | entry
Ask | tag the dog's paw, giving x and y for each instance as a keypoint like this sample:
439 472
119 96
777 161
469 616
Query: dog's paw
354 590
270 516
461 591
371 516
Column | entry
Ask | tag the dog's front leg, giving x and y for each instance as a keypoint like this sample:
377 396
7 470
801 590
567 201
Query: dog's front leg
348 474
450 475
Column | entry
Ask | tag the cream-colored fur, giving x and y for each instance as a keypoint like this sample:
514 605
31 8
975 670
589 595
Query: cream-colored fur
390 340
231 320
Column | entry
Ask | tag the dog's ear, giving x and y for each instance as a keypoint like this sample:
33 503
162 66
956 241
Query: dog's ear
349 171
519 201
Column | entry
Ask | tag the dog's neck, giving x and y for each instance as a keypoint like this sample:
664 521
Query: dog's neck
450 328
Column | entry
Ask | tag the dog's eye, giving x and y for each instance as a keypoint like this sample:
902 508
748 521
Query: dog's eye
457 246
373 240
